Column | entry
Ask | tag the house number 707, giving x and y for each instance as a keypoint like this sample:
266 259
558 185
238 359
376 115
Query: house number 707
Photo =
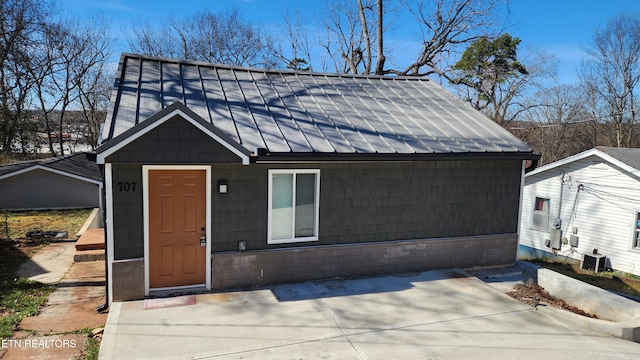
126 186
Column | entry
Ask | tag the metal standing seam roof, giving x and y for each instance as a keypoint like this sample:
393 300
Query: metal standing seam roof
307 113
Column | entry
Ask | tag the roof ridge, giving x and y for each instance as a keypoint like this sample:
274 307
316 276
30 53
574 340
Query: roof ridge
265 70
48 160
56 159
616 148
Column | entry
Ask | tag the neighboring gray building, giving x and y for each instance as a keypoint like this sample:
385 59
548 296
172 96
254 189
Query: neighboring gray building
67 182
220 177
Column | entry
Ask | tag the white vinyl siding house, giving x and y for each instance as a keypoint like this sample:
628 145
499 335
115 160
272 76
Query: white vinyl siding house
596 197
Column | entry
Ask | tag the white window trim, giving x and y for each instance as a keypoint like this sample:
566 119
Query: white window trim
271 241
533 209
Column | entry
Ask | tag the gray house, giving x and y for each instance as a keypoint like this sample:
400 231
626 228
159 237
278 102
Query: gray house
67 182
219 177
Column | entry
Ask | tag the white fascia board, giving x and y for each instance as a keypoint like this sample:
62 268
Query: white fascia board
631 170
102 156
564 161
593 152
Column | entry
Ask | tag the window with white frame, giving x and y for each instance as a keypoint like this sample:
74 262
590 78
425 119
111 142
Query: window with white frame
293 205
636 232
541 211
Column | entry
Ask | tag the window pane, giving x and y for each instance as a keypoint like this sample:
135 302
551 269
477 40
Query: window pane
542 204
541 213
540 220
305 204
282 206
636 240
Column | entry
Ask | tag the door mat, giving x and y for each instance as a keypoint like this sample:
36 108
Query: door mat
169 302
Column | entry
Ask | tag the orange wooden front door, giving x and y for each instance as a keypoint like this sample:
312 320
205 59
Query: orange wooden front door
177 220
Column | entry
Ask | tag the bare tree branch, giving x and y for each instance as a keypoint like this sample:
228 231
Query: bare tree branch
218 38
612 75
446 25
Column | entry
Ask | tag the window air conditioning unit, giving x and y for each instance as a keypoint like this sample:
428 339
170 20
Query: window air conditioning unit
593 262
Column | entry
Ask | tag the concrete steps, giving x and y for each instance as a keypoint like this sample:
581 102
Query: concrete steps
90 246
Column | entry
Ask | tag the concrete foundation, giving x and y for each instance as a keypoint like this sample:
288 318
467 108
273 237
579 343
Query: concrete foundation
128 279
259 268
289 265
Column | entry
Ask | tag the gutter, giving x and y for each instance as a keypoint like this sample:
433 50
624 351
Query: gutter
533 165
264 156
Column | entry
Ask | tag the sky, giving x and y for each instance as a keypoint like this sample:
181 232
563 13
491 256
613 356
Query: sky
563 28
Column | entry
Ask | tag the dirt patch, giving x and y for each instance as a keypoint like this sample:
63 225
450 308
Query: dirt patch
26 247
534 295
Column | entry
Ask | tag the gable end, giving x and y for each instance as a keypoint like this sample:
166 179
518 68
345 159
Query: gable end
172 135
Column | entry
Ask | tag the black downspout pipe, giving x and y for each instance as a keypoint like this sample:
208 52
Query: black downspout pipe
534 164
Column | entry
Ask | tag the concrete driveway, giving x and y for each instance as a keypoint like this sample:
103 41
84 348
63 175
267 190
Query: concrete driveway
431 315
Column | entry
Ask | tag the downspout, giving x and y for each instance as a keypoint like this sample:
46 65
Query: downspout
559 217
520 202
532 166
104 306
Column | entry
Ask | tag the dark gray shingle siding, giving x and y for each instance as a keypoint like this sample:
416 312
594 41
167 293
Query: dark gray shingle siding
128 224
175 141
358 203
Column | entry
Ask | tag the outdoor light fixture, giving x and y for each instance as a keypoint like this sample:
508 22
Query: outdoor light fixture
222 186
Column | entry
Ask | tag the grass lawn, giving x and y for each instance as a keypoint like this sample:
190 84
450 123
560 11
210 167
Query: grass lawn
15 224
20 297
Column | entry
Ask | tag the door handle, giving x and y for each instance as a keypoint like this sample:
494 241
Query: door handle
203 237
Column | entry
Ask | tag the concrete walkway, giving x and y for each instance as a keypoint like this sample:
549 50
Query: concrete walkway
50 263
80 288
431 315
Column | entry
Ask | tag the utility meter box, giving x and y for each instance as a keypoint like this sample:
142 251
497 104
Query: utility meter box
555 240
